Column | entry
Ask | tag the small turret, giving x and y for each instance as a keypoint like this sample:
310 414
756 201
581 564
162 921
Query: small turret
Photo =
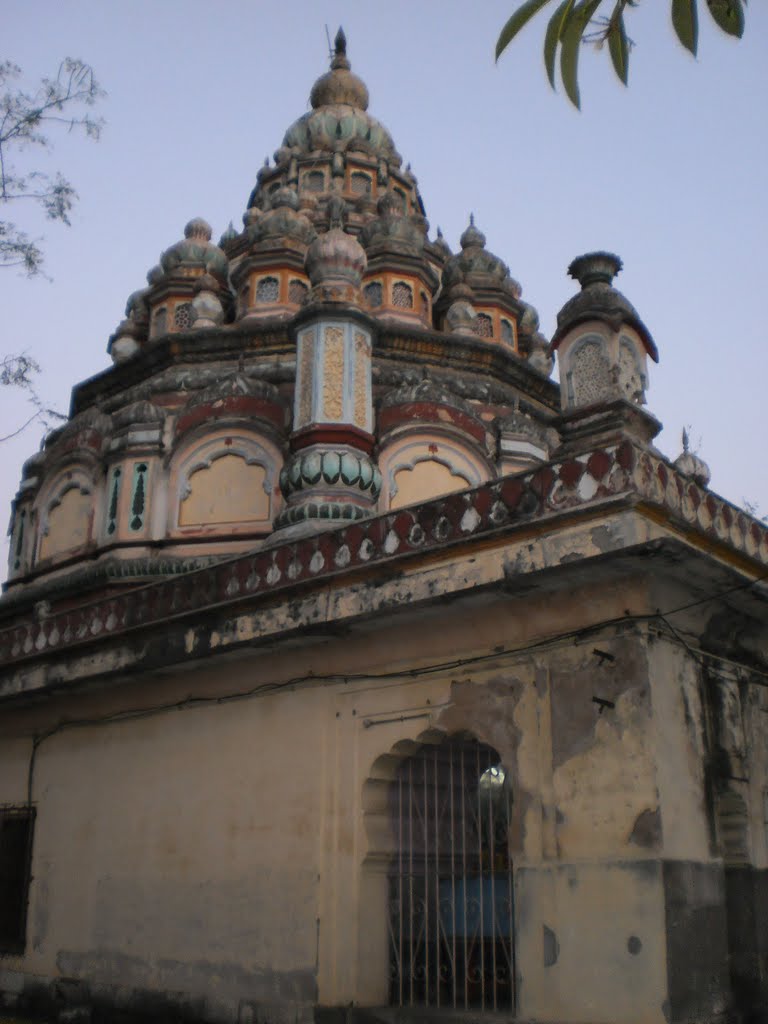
602 346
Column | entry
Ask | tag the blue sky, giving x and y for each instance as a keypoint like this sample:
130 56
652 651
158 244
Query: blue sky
670 174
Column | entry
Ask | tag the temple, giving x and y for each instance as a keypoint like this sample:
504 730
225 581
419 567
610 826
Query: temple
355 671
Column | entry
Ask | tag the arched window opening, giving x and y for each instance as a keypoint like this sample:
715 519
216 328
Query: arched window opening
402 198
161 321
360 183
483 325
450 880
268 289
183 316
424 305
588 376
314 181
373 294
402 295
631 377
507 333
297 292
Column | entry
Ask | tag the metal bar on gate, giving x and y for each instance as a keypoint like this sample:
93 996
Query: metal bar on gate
492 843
453 876
480 880
464 874
410 880
511 891
426 880
400 888
437 882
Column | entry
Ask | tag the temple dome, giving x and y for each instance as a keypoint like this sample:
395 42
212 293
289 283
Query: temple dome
476 266
339 119
195 249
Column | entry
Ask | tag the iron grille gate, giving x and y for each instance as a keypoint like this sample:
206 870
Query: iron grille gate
451 912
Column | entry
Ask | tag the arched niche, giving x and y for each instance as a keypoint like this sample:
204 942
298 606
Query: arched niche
587 367
438 876
632 377
224 484
422 466
65 514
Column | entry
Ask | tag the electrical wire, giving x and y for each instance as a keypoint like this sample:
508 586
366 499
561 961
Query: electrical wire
575 636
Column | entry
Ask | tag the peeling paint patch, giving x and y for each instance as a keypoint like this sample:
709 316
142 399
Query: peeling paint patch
646 832
551 946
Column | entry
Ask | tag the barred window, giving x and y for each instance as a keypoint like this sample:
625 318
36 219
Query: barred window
314 181
297 292
16 824
268 289
373 294
483 326
184 316
507 334
402 295
360 183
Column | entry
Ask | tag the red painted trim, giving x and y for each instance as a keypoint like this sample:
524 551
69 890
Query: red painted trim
414 413
330 433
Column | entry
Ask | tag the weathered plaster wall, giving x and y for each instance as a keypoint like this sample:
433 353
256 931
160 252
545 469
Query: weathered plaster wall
237 852
179 853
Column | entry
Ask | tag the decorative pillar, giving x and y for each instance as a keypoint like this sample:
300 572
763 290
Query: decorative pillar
331 474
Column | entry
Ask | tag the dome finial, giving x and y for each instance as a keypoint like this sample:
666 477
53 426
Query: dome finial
595 268
339 85
472 236
339 60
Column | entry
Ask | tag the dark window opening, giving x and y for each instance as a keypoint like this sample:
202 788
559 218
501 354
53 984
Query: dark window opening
373 294
15 858
314 181
297 292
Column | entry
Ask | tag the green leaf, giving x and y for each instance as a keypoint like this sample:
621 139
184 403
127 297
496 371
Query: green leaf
686 23
557 25
618 47
729 15
571 45
521 17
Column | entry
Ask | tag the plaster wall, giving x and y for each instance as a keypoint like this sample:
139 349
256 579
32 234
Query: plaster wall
231 852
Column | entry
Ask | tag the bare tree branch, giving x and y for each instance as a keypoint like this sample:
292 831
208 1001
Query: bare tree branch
25 120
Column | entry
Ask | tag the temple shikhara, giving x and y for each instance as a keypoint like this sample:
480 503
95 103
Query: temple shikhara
355 671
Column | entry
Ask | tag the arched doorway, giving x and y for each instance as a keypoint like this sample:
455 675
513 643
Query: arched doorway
450 879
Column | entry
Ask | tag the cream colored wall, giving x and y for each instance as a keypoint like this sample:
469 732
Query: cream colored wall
68 523
679 749
164 846
227 491
425 480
